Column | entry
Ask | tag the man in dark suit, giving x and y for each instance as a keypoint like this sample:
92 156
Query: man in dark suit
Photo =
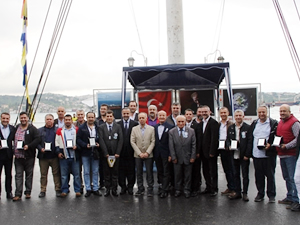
161 152
126 160
182 144
133 113
7 134
239 132
209 135
111 142
176 109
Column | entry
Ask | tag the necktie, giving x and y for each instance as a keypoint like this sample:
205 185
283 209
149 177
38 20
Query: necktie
109 128
181 130
126 127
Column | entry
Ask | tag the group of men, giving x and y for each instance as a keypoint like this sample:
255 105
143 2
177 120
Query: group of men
114 153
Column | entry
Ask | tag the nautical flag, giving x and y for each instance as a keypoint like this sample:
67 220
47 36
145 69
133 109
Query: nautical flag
24 53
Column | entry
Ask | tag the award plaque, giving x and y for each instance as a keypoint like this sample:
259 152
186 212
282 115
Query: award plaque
221 144
234 144
4 143
70 143
92 141
276 141
261 143
19 144
48 146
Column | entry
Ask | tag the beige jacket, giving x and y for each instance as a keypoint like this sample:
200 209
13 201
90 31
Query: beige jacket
142 143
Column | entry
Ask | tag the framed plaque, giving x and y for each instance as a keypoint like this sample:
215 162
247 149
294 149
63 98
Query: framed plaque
261 143
70 143
48 146
111 160
4 143
234 144
221 144
277 141
19 144
92 141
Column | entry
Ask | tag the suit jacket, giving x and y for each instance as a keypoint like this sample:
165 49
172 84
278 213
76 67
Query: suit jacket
161 148
182 149
244 142
197 128
82 140
9 152
169 120
111 143
209 140
142 143
127 150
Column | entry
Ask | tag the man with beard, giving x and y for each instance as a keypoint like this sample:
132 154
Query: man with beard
26 140
126 162
7 135
66 149
152 119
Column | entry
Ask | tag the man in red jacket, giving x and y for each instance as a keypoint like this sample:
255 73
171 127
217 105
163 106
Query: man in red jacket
288 128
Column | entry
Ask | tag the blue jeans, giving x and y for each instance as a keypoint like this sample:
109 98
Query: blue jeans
288 166
90 164
67 165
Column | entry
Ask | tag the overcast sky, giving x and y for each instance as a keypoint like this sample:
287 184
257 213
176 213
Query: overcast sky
100 35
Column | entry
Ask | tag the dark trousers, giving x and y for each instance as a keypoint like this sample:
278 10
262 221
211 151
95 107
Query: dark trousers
127 171
163 172
7 164
149 173
21 166
228 167
210 172
196 175
265 168
181 172
238 165
111 175
101 173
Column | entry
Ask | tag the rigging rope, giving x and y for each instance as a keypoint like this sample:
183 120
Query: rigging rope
288 38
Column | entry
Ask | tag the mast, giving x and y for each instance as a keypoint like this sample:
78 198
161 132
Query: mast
175 31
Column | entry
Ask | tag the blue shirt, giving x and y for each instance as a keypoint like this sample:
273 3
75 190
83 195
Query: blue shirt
262 130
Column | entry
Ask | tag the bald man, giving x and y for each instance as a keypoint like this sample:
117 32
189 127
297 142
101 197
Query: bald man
59 122
288 128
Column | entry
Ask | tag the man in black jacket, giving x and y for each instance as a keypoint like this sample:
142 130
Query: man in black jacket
126 160
111 142
47 156
239 132
26 140
7 135
264 158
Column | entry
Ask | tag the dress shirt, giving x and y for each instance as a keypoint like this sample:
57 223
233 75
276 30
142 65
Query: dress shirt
237 137
261 130
160 130
92 131
223 131
109 126
143 129
61 123
5 131
188 124
205 123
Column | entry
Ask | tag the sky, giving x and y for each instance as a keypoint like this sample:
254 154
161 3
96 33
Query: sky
99 37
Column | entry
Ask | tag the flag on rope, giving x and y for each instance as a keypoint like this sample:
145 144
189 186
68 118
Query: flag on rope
24 53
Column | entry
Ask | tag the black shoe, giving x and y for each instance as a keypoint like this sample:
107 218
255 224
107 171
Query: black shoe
206 191
139 192
163 195
123 191
58 193
107 193
285 201
296 207
81 190
194 194
9 195
101 187
213 194
114 193
245 198
177 194
88 194
130 191
42 194
97 193
234 196
187 194
258 198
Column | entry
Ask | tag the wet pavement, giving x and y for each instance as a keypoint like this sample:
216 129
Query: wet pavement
128 209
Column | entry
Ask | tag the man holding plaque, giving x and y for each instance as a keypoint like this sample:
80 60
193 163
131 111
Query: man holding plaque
111 142
7 134
87 139
65 142
142 140
126 163
237 141
209 137
264 158
226 155
288 129
26 140
47 156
